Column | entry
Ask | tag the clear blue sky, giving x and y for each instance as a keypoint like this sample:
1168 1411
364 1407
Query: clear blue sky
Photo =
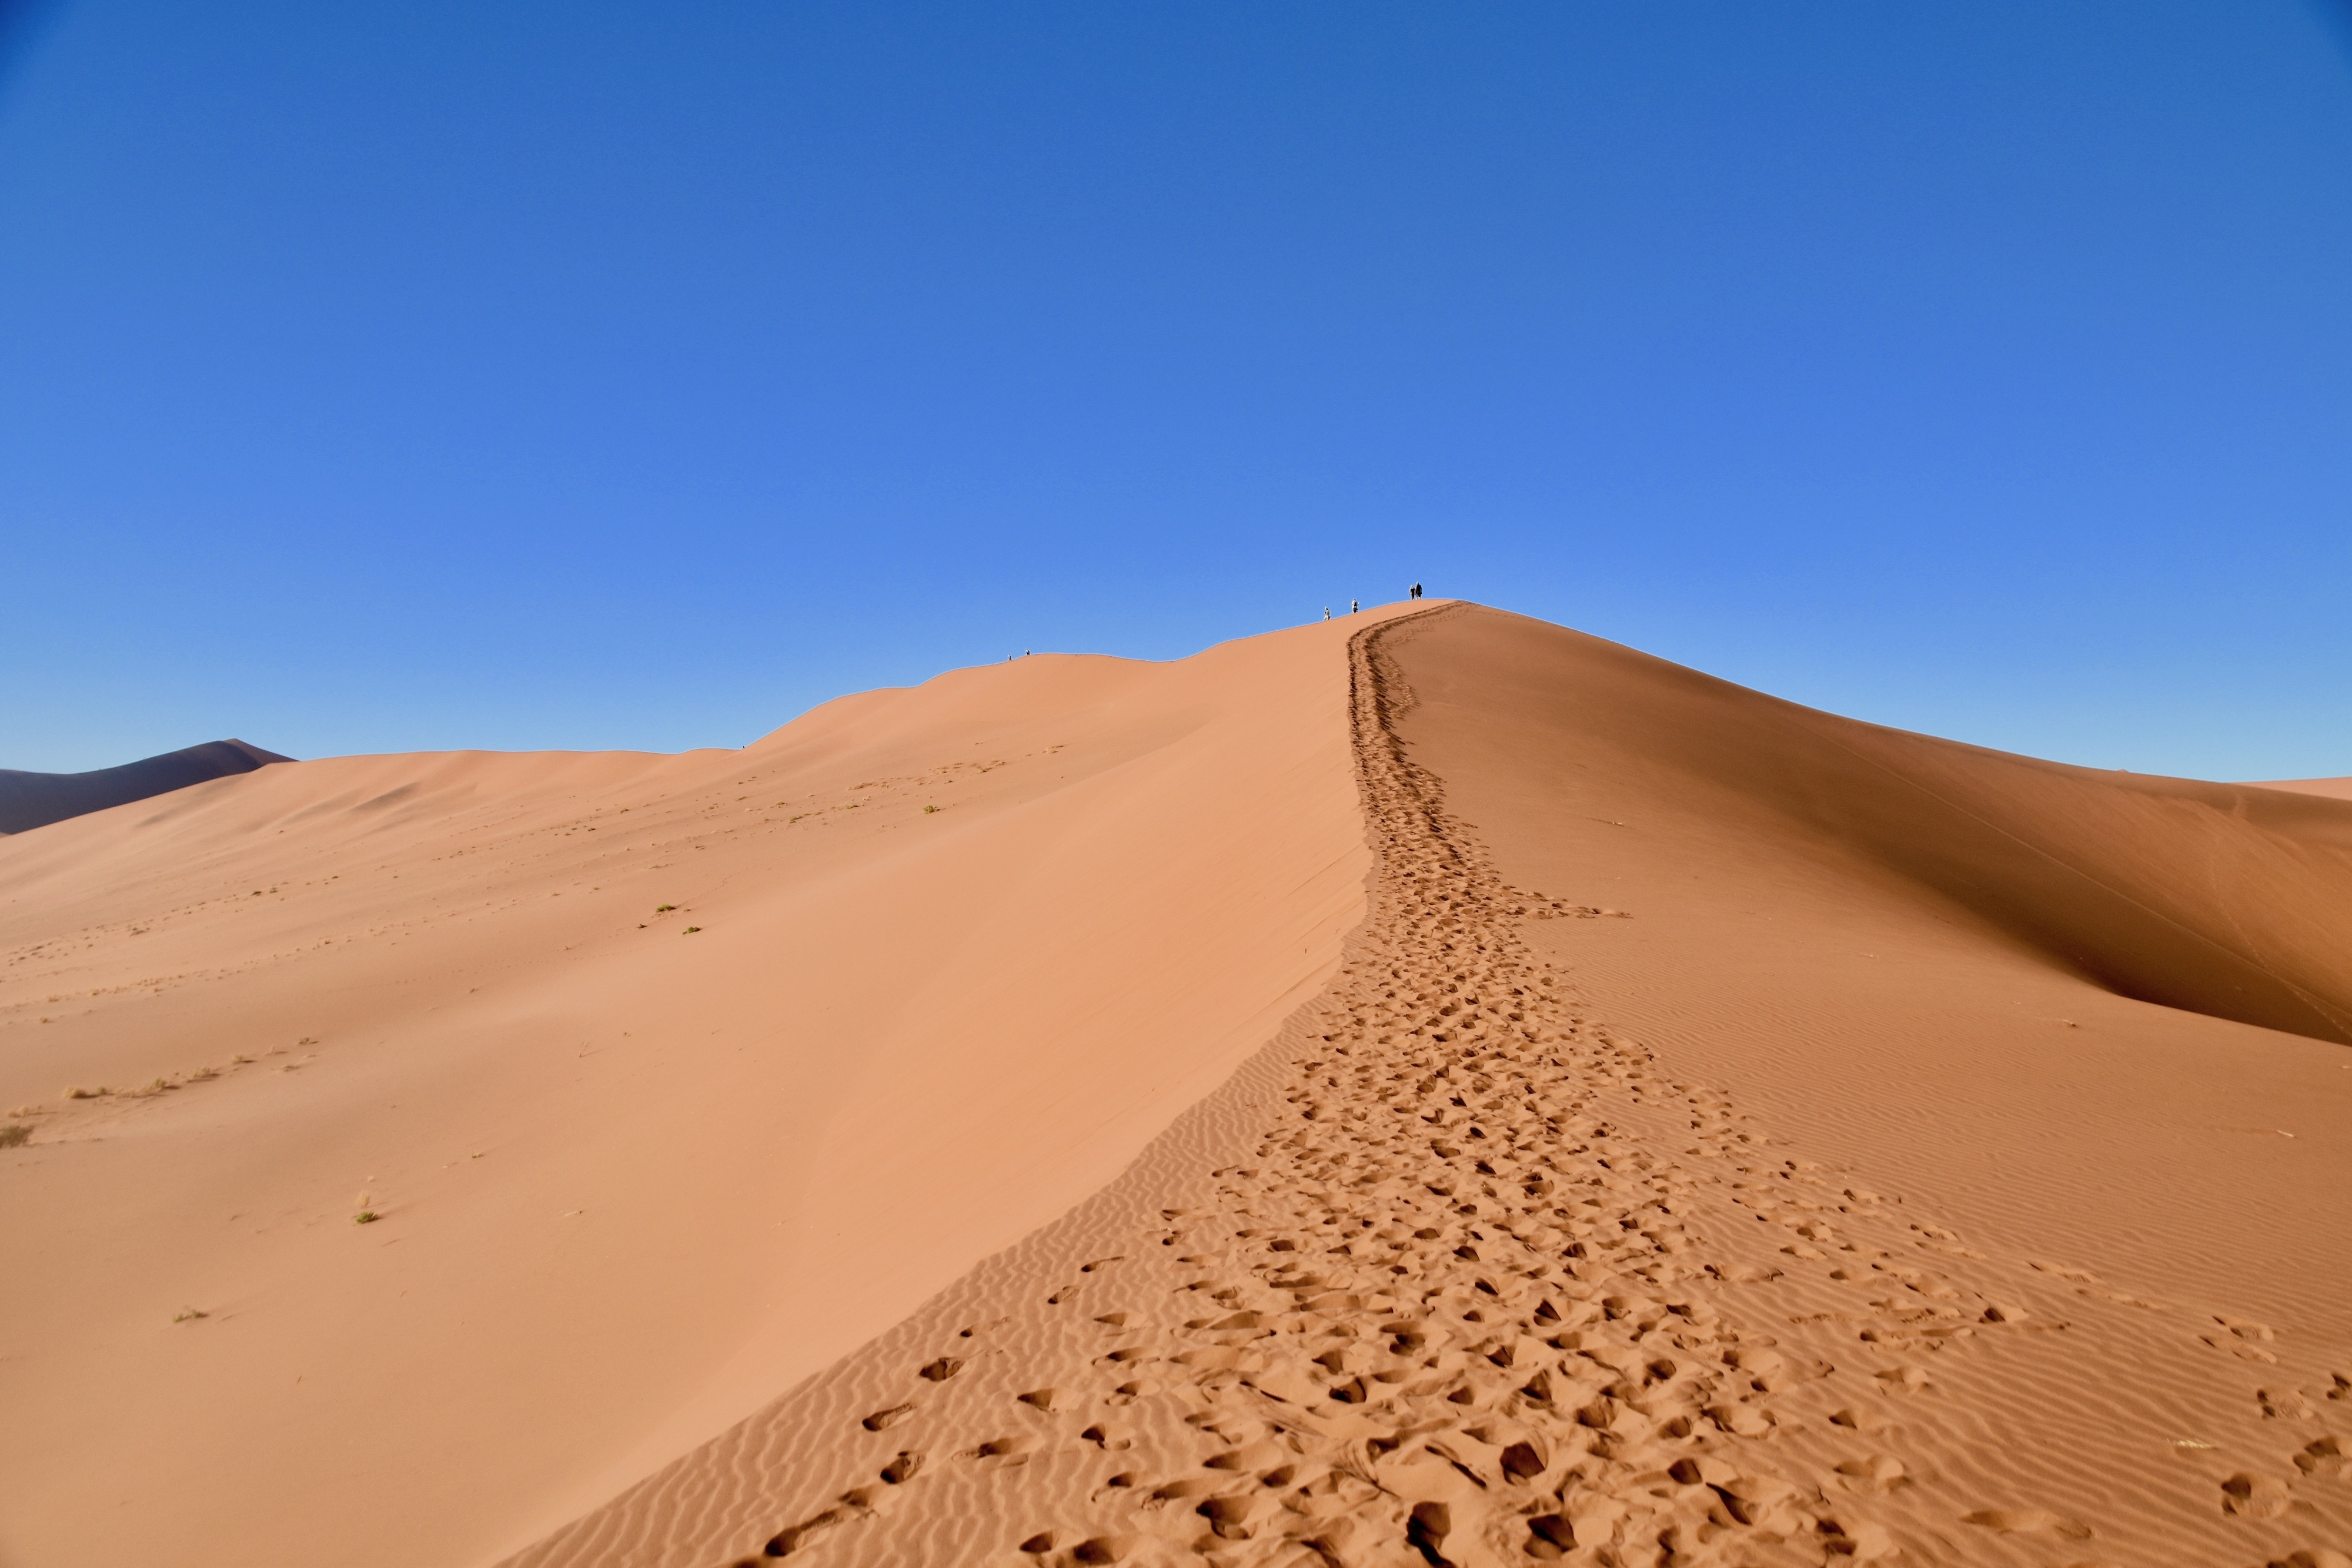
386 376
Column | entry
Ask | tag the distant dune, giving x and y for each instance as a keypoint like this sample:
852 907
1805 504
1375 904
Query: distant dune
1428 1088
31 800
2334 788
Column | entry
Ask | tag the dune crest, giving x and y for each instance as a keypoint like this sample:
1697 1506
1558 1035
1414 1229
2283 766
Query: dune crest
29 801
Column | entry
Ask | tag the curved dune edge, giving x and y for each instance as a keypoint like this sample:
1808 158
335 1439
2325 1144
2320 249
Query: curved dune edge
1476 1280
29 801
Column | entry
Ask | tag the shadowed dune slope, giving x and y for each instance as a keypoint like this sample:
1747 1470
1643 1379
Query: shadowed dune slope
2229 899
29 801
668 1080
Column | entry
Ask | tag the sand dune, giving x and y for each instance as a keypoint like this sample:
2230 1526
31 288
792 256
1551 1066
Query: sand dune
1435 1088
29 801
2334 788
2230 900
1778 1184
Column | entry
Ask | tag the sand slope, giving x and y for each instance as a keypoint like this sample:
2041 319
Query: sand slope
1689 1128
2226 899
631 1180
1727 1139
1938 956
2334 788
29 801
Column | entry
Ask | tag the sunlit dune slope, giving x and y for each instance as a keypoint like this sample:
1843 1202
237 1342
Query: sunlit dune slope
939 961
2334 788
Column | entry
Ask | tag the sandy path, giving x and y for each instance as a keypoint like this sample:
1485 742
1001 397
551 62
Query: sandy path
1456 1273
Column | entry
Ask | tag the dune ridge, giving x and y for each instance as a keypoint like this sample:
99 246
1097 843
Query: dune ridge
29 801
2224 899
2333 788
1481 1281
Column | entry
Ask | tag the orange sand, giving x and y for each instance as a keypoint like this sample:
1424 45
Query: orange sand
2334 788
1861 1146
632 1181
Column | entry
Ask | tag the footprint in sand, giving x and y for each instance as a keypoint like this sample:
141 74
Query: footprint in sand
2325 1459
2255 1497
2029 1521
1877 1472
